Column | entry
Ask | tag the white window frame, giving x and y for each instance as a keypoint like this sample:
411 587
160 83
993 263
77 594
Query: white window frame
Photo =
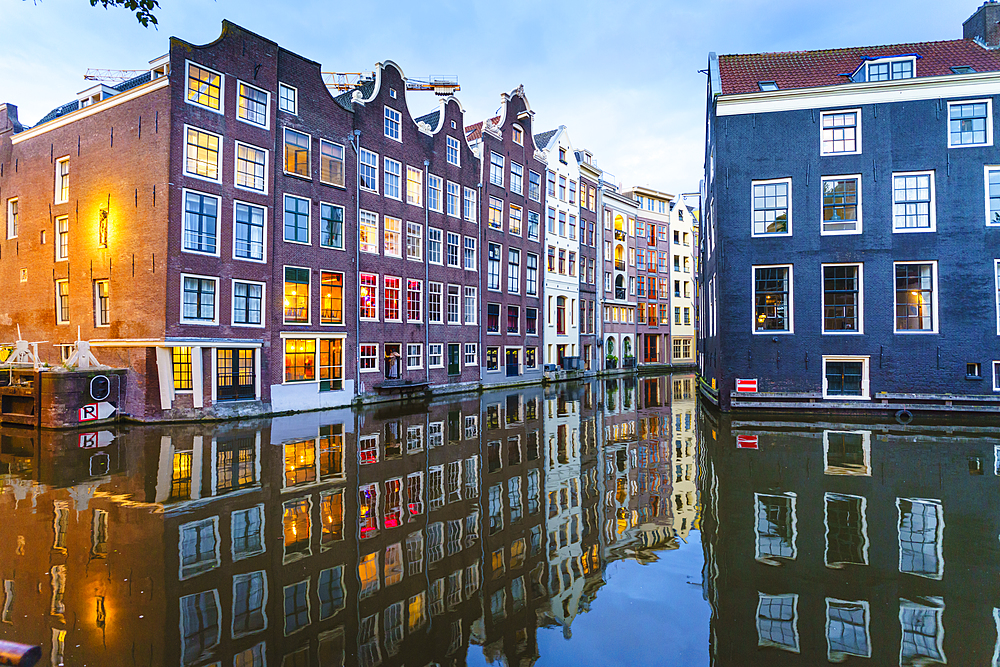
996 377
475 308
222 88
475 253
889 61
97 302
343 163
857 130
861 299
441 243
236 171
441 192
369 216
14 213
308 240
822 223
398 175
215 320
282 87
400 299
866 439
761 641
431 354
61 256
419 356
838 656
309 298
378 366
284 162
996 291
934 304
469 212
362 165
933 203
770 181
457 211
989 122
453 144
791 300
218 222
393 116
473 349
865 379
263 301
65 320
343 224
418 200
400 233
986 192
267 105
419 257
189 174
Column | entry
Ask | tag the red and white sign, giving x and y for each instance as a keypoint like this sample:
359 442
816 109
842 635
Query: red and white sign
746 384
95 440
746 442
94 411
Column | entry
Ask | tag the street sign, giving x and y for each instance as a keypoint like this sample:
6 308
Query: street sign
746 442
94 411
746 384
96 439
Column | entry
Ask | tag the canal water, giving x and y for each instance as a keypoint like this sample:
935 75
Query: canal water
607 522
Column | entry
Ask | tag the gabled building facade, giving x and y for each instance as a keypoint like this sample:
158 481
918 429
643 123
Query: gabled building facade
619 288
590 268
850 230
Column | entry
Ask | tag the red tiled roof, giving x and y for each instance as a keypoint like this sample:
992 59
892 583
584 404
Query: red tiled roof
474 131
810 69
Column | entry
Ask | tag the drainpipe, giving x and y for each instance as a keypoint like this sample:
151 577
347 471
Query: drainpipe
427 222
482 251
599 278
355 141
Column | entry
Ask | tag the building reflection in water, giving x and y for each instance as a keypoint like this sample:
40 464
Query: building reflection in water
401 533
837 542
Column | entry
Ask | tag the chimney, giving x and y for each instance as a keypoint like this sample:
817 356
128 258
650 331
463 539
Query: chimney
8 118
984 25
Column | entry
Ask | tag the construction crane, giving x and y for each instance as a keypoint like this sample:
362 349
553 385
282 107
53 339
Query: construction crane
439 85
112 75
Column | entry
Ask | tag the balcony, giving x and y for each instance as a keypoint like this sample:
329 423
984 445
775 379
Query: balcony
620 265
619 235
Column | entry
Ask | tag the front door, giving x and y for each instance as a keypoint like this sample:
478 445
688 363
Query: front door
393 361
513 360
454 364
560 353
235 379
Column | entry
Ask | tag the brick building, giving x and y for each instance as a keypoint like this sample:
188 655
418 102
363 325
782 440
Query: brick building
619 301
590 272
854 266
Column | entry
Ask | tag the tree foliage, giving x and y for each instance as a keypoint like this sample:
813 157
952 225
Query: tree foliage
143 9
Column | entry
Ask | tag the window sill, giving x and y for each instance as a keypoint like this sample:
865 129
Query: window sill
975 378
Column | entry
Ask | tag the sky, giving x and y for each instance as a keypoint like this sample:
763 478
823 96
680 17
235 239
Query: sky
623 76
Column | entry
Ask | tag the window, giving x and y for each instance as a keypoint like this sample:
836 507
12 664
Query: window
249 615
531 275
922 640
296 295
435 191
772 207
847 630
550 183
391 125
531 321
296 601
198 299
62 302
453 249
493 318
434 246
390 298
842 310
470 305
471 359
772 298
840 132
777 621
970 123
247 531
845 377
297 153
913 202
846 530
251 104
551 265
102 303
331 163
517 134
434 293
470 205
495 219
414 186
516 178
369 232
514 222
915 306
469 256
562 183
202 159
414 356
368 357
414 300
453 304
842 205
296 219
181 363
513 319
775 528
493 267
331 226
534 186
288 98
921 528
199 547
204 87
452 151
992 187
251 167
891 70
368 174
452 202
331 298
493 356
496 169
12 218
331 583
435 355
513 270
533 225
392 241
247 303
62 238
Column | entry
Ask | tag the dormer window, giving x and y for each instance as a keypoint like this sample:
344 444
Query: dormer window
766 86
891 70
963 69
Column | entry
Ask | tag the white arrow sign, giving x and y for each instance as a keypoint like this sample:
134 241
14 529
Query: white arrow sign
95 411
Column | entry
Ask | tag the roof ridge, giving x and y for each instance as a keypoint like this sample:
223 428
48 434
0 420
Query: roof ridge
850 48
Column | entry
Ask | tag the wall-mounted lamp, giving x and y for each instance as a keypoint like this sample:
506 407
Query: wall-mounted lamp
102 227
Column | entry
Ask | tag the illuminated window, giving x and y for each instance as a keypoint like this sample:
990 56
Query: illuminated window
296 303
297 528
204 87
414 186
392 237
300 463
331 512
300 359
368 574
297 146
331 163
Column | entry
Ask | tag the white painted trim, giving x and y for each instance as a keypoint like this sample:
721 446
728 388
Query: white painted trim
263 259
308 242
232 302
753 300
933 203
861 299
977 84
222 88
753 210
934 304
293 89
236 170
986 192
267 105
218 222
198 377
865 377
91 109
822 221
989 122
218 164
215 320
165 374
